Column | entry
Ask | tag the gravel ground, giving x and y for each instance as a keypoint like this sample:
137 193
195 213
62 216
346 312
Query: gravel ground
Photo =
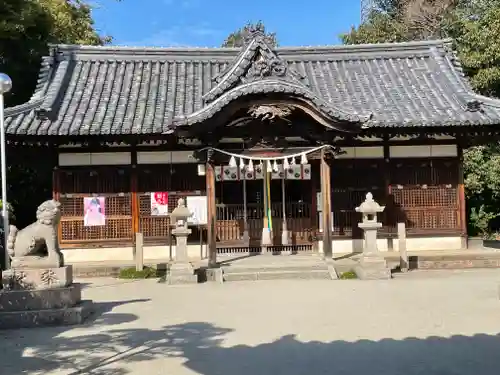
422 323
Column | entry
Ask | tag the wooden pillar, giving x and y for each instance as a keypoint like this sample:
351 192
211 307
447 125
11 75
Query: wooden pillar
462 215
314 207
139 251
403 255
56 195
387 214
326 206
134 199
265 176
55 184
211 215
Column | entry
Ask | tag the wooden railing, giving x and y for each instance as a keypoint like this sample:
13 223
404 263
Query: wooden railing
419 221
230 222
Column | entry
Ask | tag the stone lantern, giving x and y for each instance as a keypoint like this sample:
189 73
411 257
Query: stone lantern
372 264
181 271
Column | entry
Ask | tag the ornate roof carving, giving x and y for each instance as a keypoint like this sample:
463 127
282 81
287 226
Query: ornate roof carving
256 61
270 86
270 112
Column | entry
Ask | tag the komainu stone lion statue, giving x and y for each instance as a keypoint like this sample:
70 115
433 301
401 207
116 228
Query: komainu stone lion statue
37 245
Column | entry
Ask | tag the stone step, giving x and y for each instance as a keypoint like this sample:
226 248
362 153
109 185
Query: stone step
47 317
55 298
277 274
277 268
89 271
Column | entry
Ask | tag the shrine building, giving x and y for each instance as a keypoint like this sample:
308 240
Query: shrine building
273 148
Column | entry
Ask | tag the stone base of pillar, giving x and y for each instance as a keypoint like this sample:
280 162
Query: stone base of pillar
215 274
285 238
246 238
372 268
181 273
266 237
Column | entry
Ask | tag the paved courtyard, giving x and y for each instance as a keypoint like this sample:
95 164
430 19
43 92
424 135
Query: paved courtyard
424 323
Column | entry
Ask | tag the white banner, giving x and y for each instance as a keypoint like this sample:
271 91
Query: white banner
197 205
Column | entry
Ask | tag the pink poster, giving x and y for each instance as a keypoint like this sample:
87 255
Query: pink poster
159 204
94 208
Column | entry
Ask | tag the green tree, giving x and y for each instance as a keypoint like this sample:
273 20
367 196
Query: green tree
26 29
476 31
237 38
474 26
403 20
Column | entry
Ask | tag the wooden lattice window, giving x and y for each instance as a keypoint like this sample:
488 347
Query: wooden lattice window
425 194
351 180
178 180
113 184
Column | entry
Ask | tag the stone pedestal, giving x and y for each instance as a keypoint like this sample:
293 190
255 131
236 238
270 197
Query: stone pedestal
266 237
372 268
34 297
181 271
246 238
285 235
37 278
372 265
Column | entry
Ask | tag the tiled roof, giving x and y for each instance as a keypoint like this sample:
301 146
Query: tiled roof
86 90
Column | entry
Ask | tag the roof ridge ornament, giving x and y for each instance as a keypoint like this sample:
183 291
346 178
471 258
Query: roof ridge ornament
256 62
257 32
264 67
474 105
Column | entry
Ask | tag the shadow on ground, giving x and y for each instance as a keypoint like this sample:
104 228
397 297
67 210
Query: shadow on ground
200 347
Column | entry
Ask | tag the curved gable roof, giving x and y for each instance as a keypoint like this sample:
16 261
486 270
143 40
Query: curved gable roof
86 90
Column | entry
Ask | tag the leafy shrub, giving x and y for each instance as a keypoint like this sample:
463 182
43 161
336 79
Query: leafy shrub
349 275
480 219
132 273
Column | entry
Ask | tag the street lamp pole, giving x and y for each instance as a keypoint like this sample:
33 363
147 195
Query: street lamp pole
5 87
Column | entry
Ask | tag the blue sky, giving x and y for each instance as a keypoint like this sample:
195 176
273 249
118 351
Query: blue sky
164 23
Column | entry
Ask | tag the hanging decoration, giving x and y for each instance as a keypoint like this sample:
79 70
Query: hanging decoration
281 158
254 167
250 166
275 166
269 166
269 212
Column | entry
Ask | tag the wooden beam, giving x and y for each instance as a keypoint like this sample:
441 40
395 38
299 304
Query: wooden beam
211 215
326 206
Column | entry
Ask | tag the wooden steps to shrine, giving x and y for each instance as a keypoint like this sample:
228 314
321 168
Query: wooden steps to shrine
309 270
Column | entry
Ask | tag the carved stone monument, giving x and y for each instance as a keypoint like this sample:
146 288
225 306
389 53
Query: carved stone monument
38 289
372 265
181 270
